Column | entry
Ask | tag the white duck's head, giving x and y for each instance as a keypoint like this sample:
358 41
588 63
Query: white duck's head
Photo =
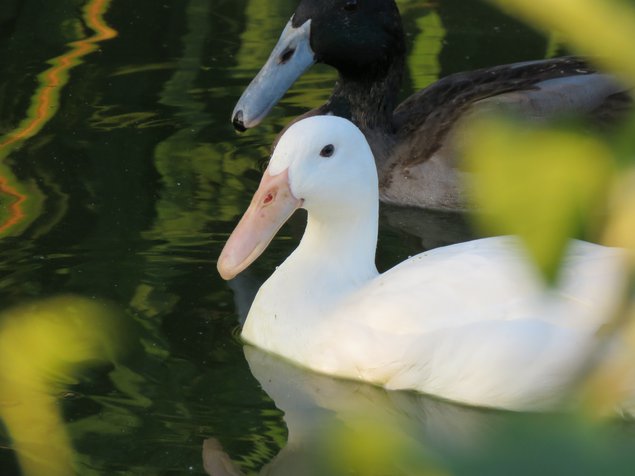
322 164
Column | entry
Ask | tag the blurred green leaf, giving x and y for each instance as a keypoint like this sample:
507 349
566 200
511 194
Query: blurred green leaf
43 346
541 184
601 29
365 447
620 230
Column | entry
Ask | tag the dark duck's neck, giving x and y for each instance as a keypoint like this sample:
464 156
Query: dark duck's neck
364 41
367 47
369 99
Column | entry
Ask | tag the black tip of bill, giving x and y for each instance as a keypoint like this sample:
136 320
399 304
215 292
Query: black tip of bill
238 123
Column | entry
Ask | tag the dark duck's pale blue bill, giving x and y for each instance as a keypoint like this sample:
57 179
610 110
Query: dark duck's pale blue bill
291 57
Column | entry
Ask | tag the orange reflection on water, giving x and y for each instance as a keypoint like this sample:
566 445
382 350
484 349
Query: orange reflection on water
45 101
15 209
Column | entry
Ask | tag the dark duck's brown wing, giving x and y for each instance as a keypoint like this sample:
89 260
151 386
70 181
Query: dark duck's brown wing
542 89
422 170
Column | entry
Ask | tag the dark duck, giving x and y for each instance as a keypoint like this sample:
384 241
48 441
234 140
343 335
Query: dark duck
414 143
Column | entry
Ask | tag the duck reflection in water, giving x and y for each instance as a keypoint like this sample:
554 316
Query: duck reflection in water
324 416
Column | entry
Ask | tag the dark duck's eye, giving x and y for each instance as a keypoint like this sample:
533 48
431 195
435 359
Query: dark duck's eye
350 5
286 55
327 150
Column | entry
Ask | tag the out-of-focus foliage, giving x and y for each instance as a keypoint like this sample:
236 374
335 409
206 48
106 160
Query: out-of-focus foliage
549 184
577 161
43 346
620 231
600 29
365 447
544 185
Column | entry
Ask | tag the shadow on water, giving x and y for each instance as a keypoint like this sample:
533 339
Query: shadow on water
120 179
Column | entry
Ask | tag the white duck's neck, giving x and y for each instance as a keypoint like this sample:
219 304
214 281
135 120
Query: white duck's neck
335 256
340 247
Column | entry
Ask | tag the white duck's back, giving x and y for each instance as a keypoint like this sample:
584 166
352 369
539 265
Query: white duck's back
471 322
489 279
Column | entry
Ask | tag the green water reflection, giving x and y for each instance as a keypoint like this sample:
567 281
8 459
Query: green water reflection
127 185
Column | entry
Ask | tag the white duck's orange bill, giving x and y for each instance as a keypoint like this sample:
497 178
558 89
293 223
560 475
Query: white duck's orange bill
271 207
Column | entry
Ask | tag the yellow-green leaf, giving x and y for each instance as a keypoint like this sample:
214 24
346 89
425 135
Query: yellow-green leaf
541 184
601 29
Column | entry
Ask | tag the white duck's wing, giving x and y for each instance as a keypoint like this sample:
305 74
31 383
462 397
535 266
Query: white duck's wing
473 323
451 286
522 364
517 364
487 280
591 285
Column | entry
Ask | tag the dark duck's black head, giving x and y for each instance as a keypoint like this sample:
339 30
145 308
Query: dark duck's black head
362 39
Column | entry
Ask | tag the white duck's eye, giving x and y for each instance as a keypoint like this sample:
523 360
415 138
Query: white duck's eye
327 150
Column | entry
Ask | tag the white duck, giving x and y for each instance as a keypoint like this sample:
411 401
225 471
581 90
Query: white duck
469 322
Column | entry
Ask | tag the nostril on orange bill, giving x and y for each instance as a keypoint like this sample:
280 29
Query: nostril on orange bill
268 198
259 224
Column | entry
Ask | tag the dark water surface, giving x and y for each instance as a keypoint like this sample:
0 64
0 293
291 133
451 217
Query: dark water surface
120 179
